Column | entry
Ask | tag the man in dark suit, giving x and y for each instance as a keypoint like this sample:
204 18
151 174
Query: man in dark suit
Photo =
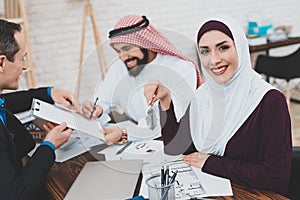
18 181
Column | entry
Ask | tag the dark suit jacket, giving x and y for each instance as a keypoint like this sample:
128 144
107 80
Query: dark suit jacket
16 181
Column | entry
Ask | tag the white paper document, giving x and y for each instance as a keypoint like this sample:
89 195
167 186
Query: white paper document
25 116
190 182
77 144
214 185
187 184
58 115
150 151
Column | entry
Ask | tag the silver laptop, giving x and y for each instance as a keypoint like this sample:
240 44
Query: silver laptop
109 180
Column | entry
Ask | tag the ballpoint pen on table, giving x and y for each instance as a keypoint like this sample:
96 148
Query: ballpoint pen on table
94 108
124 147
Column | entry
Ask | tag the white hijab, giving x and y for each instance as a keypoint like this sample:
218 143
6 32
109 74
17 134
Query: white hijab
219 110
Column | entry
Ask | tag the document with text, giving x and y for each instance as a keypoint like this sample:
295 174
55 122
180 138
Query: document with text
190 182
55 114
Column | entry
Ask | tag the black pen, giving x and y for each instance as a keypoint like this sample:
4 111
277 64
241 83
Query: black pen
94 108
162 176
172 179
123 148
167 176
162 179
165 192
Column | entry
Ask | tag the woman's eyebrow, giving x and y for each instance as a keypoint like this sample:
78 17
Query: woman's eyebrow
221 43
218 44
204 47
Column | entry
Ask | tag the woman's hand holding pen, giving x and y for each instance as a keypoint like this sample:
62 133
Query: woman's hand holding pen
154 91
91 110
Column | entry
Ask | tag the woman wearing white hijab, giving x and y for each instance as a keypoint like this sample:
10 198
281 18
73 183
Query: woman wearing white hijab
238 124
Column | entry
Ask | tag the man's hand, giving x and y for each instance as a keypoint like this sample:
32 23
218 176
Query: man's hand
112 135
65 98
91 112
57 135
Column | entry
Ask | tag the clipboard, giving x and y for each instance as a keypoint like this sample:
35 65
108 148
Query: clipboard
55 114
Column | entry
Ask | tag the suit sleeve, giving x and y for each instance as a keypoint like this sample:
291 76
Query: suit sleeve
21 100
26 183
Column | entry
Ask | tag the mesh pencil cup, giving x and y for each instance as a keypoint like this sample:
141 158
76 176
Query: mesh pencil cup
158 192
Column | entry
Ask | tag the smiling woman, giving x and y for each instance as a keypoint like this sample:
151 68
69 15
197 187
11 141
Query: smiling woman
238 129
236 118
219 57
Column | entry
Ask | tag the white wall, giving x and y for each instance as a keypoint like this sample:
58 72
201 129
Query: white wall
55 26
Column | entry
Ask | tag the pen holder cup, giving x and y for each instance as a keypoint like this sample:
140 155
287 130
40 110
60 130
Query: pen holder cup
158 192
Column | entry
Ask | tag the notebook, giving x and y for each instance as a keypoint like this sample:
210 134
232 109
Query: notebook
110 180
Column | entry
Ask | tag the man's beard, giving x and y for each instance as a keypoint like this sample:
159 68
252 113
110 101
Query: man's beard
141 63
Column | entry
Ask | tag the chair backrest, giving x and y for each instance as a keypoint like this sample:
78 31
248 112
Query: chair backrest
293 191
284 67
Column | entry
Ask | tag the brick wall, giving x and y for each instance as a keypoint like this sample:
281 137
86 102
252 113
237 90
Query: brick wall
56 25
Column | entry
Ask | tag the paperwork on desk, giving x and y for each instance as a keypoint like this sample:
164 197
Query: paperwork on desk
25 116
77 144
58 115
151 151
214 185
190 181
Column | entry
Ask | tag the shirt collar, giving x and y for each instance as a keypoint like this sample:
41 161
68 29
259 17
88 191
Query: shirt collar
2 111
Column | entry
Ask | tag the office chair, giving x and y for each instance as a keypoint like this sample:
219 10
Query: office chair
282 67
293 191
